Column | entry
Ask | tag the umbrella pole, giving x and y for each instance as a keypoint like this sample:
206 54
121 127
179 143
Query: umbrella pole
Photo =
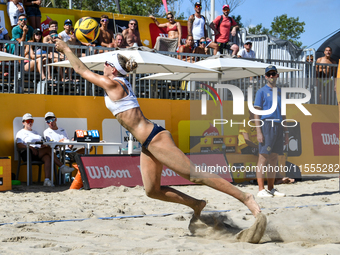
222 95
130 142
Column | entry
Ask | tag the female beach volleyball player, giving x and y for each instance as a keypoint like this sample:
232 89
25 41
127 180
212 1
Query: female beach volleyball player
158 147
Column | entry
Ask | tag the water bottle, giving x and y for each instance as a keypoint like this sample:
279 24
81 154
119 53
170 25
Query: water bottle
67 177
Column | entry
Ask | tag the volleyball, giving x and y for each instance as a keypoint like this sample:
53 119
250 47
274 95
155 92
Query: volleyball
86 30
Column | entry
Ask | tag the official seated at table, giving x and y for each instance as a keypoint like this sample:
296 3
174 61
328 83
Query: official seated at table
57 134
39 151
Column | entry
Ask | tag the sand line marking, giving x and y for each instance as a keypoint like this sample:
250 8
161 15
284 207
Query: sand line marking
157 215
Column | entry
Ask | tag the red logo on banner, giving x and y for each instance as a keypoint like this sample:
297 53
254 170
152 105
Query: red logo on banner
103 171
325 139
156 31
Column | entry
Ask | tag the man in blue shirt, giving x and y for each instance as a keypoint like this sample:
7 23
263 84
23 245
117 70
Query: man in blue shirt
269 134
22 32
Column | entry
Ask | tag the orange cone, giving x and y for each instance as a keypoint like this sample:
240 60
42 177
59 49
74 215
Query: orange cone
77 182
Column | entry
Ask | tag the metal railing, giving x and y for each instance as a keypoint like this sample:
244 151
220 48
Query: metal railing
31 76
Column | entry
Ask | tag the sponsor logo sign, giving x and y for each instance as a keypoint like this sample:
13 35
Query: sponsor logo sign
325 139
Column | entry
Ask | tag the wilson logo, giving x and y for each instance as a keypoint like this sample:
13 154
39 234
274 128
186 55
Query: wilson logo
95 172
330 139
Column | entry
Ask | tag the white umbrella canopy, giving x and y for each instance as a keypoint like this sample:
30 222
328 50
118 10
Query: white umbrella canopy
148 62
8 57
231 68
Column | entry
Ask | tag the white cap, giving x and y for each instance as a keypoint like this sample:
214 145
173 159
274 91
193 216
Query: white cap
27 116
49 114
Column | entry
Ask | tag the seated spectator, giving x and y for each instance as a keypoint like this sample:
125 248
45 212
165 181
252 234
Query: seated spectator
247 52
55 134
68 34
174 30
106 38
21 33
120 41
131 34
187 48
54 55
202 48
39 152
36 55
33 12
14 9
3 35
52 26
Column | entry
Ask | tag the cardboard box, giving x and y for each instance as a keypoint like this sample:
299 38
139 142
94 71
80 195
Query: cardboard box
5 174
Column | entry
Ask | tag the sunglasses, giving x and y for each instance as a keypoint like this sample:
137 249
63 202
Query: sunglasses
38 34
134 24
107 63
29 121
203 42
271 74
198 6
226 9
249 44
104 20
23 19
54 36
170 17
50 120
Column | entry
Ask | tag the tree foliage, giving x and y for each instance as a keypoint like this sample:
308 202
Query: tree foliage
238 20
282 27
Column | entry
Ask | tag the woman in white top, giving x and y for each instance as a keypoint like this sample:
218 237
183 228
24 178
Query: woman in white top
39 151
158 147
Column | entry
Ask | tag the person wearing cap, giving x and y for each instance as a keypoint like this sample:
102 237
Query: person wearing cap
269 133
106 36
247 52
197 28
39 151
158 147
222 29
33 12
36 55
67 35
56 134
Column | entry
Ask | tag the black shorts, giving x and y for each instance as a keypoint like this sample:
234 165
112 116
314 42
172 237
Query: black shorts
23 155
226 45
33 11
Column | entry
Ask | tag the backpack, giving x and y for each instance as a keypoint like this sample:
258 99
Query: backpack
219 23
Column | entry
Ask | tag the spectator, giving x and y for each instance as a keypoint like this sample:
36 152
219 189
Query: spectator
21 33
52 26
33 12
247 52
222 29
67 35
14 9
3 35
106 38
269 134
201 49
39 152
120 41
55 134
131 34
247 137
36 55
187 48
325 75
197 28
174 30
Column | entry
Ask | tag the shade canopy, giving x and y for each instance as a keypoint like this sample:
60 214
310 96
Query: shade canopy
231 68
148 62
8 57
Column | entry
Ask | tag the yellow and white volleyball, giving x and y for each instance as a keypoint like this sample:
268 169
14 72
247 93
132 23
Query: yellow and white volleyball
86 30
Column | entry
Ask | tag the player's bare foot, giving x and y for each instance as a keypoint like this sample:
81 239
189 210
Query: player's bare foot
199 207
251 204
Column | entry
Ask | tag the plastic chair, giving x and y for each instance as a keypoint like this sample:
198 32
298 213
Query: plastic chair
21 162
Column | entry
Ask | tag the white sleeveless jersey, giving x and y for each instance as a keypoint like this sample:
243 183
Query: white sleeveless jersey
123 104
198 28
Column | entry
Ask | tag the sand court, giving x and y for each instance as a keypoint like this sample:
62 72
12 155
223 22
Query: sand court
304 222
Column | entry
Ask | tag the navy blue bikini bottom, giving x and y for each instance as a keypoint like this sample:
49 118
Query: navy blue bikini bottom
156 129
